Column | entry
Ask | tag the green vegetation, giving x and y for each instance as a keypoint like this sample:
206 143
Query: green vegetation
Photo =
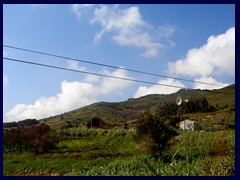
120 139
116 152
116 114
37 139
26 122
155 132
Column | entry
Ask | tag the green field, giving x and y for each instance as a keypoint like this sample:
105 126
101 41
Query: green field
113 147
113 152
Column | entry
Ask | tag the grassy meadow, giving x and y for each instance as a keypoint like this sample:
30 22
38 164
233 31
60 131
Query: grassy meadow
115 152
115 149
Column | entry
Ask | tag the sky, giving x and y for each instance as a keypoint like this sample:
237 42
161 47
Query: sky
194 42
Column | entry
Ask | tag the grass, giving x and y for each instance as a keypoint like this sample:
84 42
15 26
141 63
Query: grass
193 144
114 152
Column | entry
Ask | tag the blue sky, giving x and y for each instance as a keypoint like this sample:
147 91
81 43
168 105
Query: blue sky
195 42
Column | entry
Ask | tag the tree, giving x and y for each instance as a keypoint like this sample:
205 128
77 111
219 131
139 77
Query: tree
26 122
37 138
155 132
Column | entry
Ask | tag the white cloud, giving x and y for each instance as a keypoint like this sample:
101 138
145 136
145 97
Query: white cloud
73 95
158 89
207 86
91 78
216 56
71 64
79 8
5 80
110 84
128 28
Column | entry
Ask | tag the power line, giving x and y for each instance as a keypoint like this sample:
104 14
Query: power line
109 66
102 75
91 73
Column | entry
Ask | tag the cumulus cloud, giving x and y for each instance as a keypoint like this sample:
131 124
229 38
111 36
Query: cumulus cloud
110 84
210 80
73 95
158 89
216 56
92 79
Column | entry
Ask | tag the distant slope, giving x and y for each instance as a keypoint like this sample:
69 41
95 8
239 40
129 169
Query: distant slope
221 100
120 112
109 112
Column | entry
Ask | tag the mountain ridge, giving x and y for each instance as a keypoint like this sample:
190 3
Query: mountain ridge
129 110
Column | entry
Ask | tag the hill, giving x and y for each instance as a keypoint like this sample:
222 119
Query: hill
128 111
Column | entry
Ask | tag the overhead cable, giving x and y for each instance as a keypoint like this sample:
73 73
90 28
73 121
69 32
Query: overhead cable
109 66
102 75
86 72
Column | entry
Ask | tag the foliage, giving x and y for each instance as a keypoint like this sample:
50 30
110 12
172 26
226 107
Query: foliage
141 165
121 112
26 122
154 131
190 145
114 152
37 138
74 150
146 166
199 104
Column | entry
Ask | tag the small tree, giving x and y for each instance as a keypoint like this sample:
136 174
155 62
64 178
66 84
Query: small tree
154 131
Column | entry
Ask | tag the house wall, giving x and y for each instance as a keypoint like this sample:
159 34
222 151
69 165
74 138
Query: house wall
189 125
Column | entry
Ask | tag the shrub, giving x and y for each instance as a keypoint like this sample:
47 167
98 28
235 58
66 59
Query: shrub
37 138
155 133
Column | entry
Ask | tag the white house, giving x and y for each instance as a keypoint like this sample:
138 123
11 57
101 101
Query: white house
189 125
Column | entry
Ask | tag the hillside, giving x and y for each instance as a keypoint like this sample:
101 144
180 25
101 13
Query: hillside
120 112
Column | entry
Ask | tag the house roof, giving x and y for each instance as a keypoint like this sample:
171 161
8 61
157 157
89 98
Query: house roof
188 120
210 116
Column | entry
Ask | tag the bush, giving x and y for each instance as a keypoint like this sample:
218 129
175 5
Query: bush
37 138
155 133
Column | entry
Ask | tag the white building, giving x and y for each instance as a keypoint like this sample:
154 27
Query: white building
189 125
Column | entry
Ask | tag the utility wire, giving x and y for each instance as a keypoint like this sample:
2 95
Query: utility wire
109 66
86 72
102 75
